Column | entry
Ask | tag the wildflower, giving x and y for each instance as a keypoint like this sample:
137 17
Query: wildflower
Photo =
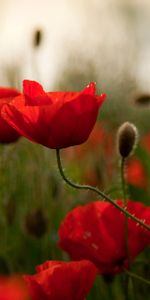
96 232
135 173
99 142
57 280
146 142
7 133
12 288
56 119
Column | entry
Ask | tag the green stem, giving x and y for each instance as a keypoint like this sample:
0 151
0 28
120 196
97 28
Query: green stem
94 189
123 181
123 184
123 161
133 275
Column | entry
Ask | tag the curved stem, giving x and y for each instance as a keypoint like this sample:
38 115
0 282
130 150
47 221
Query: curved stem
94 189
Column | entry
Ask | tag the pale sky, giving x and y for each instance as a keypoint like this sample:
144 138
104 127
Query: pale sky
112 35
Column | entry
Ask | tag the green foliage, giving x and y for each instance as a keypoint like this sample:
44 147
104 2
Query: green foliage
29 181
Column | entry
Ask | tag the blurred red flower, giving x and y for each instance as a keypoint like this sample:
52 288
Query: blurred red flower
100 141
95 158
146 142
12 288
57 280
54 119
7 133
96 232
135 173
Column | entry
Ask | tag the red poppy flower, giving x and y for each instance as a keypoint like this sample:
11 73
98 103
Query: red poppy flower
7 133
12 289
99 141
146 142
135 173
57 280
96 232
55 119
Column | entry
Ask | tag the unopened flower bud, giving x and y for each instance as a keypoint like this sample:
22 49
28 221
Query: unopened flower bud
126 139
143 100
37 38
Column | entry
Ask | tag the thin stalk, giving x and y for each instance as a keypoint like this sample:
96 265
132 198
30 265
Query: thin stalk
123 181
96 190
123 185
123 161
133 275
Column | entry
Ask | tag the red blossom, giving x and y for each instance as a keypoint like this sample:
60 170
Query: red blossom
135 173
96 232
7 133
146 142
99 141
57 280
54 119
12 288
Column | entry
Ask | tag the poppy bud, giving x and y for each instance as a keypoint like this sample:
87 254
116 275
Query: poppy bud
36 223
143 100
37 38
126 139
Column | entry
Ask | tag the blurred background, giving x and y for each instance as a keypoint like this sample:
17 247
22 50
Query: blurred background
65 44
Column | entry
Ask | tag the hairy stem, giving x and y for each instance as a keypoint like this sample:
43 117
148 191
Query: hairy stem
96 190
123 161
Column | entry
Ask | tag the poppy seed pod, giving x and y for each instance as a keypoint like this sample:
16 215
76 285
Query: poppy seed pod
126 139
